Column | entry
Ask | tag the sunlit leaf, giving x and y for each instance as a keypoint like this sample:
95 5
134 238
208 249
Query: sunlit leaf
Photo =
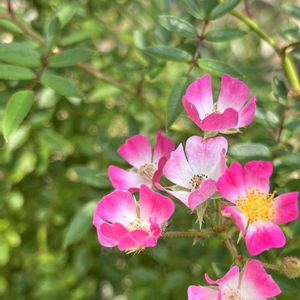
19 54
61 85
223 35
168 53
92 177
16 110
250 150
218 67
178 26
70 57
175 107
80 224
10 72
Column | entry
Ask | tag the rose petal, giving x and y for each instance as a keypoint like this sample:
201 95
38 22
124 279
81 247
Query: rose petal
262 236
220 121
257 283
286 208
233 93
154 207
136 150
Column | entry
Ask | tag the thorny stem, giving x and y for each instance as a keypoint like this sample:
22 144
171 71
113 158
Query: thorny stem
271 266
193 233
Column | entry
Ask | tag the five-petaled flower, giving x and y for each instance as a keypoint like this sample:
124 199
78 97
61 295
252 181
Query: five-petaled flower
256 211
253 283
131 226
146 167
195 173
231 110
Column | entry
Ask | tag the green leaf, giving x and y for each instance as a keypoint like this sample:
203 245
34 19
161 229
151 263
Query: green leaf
174 107
53 33
217 67
10 72
70 57
19 54
66 14
80 224
266 117
250 150
223 35
292 9
55 142
168 53
280 91
291 33
223 8
16 110
61 85
79 36
10 26
194 9
178 25
92 177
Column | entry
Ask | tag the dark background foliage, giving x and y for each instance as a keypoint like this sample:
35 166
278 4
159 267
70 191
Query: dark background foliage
128 67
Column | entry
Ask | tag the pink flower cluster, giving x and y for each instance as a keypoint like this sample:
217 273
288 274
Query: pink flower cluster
198 172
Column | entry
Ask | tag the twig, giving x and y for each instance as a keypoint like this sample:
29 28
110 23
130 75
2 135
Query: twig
197 52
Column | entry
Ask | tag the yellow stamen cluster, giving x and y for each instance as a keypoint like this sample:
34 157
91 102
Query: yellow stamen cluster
196 181
147 171
232 294
257 206
138 224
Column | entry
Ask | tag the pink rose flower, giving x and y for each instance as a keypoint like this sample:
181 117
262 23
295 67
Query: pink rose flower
130 225
256 211
231 110
253 283
146 167
195 173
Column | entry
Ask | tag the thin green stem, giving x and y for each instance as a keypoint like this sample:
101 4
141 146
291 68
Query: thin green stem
230 246
287 63
104 77
254 27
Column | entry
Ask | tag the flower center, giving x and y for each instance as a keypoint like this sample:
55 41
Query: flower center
147 171
257 206
196 181
232 294
214 110
138 224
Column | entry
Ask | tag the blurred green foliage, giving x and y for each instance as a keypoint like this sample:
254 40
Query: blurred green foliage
135 61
